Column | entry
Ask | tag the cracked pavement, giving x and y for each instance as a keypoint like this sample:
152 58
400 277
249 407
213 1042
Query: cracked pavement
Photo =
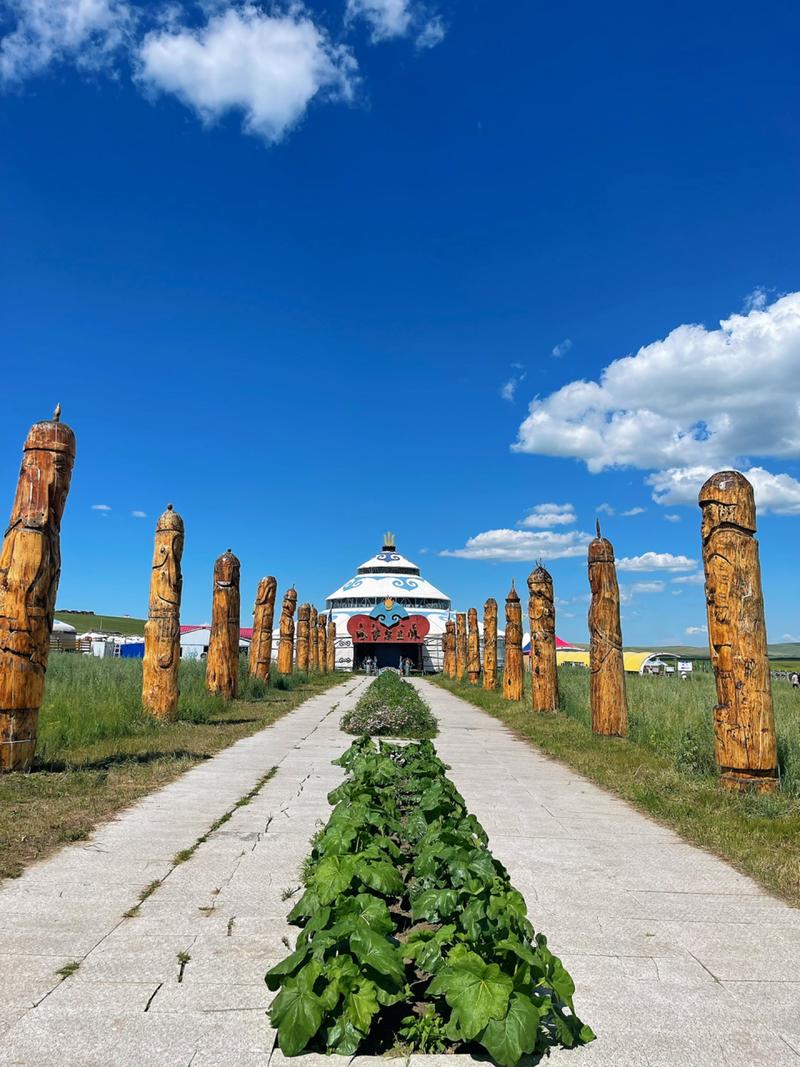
679 960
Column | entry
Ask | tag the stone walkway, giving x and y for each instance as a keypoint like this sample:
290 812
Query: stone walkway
678 959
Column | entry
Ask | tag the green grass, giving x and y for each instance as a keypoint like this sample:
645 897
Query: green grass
391 708
666 766
115 624
98 751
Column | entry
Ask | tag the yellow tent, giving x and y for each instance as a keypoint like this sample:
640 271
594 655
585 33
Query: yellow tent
633 662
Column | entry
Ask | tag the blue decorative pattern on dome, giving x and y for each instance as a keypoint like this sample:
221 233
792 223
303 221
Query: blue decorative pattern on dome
397 583
389 615
388 557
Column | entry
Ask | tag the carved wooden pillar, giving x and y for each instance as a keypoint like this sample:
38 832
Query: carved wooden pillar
313 640
607 684
162 631
222 665
461 645
30 564
302 651
473 647
542 615
513 683
490 644
744 720
286 645
322 644
449 649
261 641
331 644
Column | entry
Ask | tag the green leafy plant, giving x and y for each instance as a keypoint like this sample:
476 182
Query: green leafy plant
412 934
391 708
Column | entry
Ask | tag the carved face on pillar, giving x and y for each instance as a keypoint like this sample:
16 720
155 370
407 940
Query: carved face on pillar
45 476
727 499
167 555
266 591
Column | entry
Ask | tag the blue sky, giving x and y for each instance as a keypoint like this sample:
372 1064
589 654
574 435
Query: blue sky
302 271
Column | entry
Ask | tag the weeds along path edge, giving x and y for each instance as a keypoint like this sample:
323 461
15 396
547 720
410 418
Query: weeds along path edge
760 836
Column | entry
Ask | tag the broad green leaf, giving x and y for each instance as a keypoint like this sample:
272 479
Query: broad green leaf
476 991
374 912
435 904
333 875
380 876
373 950
275 975
342 1038
297 1013
361 1005
508 1039
561 982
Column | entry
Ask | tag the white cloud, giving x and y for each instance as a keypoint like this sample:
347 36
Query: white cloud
672 518
397 18
648 587
546 515
85 32
773 492
101 507
634 511
790 637
605 508
677 592
690 579
561 348
522 545
697 629
695 402
267 66
756 299
656 561
139 514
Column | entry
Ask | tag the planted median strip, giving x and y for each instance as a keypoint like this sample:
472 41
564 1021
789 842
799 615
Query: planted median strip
413 936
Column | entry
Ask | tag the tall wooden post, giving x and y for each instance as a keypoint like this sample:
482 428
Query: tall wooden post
261 641
162 631
30 565
286 645
542 616
313 640
222 665
473 647
322 644
513 683
744 720
302 650
449 649
331 644
461 644
607 683
490 644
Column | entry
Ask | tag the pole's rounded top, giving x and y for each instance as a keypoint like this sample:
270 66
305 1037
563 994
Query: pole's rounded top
600 549
539 576
51 435
227 559
727 497
513 595
170 520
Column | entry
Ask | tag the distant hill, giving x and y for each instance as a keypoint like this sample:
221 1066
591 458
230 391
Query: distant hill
115 624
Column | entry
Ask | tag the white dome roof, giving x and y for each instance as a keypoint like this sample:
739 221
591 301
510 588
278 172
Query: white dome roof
381 586
388 561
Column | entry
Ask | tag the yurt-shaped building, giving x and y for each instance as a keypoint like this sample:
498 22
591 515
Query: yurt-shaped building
387 612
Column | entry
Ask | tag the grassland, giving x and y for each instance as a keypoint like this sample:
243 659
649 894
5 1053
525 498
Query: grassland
666 766
113 624
98 751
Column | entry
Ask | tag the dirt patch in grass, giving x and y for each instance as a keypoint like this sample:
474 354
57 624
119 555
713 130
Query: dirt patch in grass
73 789
758 835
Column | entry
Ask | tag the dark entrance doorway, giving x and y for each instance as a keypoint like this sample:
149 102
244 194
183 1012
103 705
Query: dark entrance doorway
388 655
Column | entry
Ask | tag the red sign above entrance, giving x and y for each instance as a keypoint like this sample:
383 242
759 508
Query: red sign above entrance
411 630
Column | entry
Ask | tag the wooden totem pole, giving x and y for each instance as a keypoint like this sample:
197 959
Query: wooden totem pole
744 720
286 646
449 649
490 644
322 644
331 644
607 683
30 564
261 641
313 640
513 683
162 631
222 665
302 658
542 615
461 644
473 647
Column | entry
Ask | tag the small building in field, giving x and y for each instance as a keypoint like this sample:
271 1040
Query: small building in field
63 637
195 639
633 662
